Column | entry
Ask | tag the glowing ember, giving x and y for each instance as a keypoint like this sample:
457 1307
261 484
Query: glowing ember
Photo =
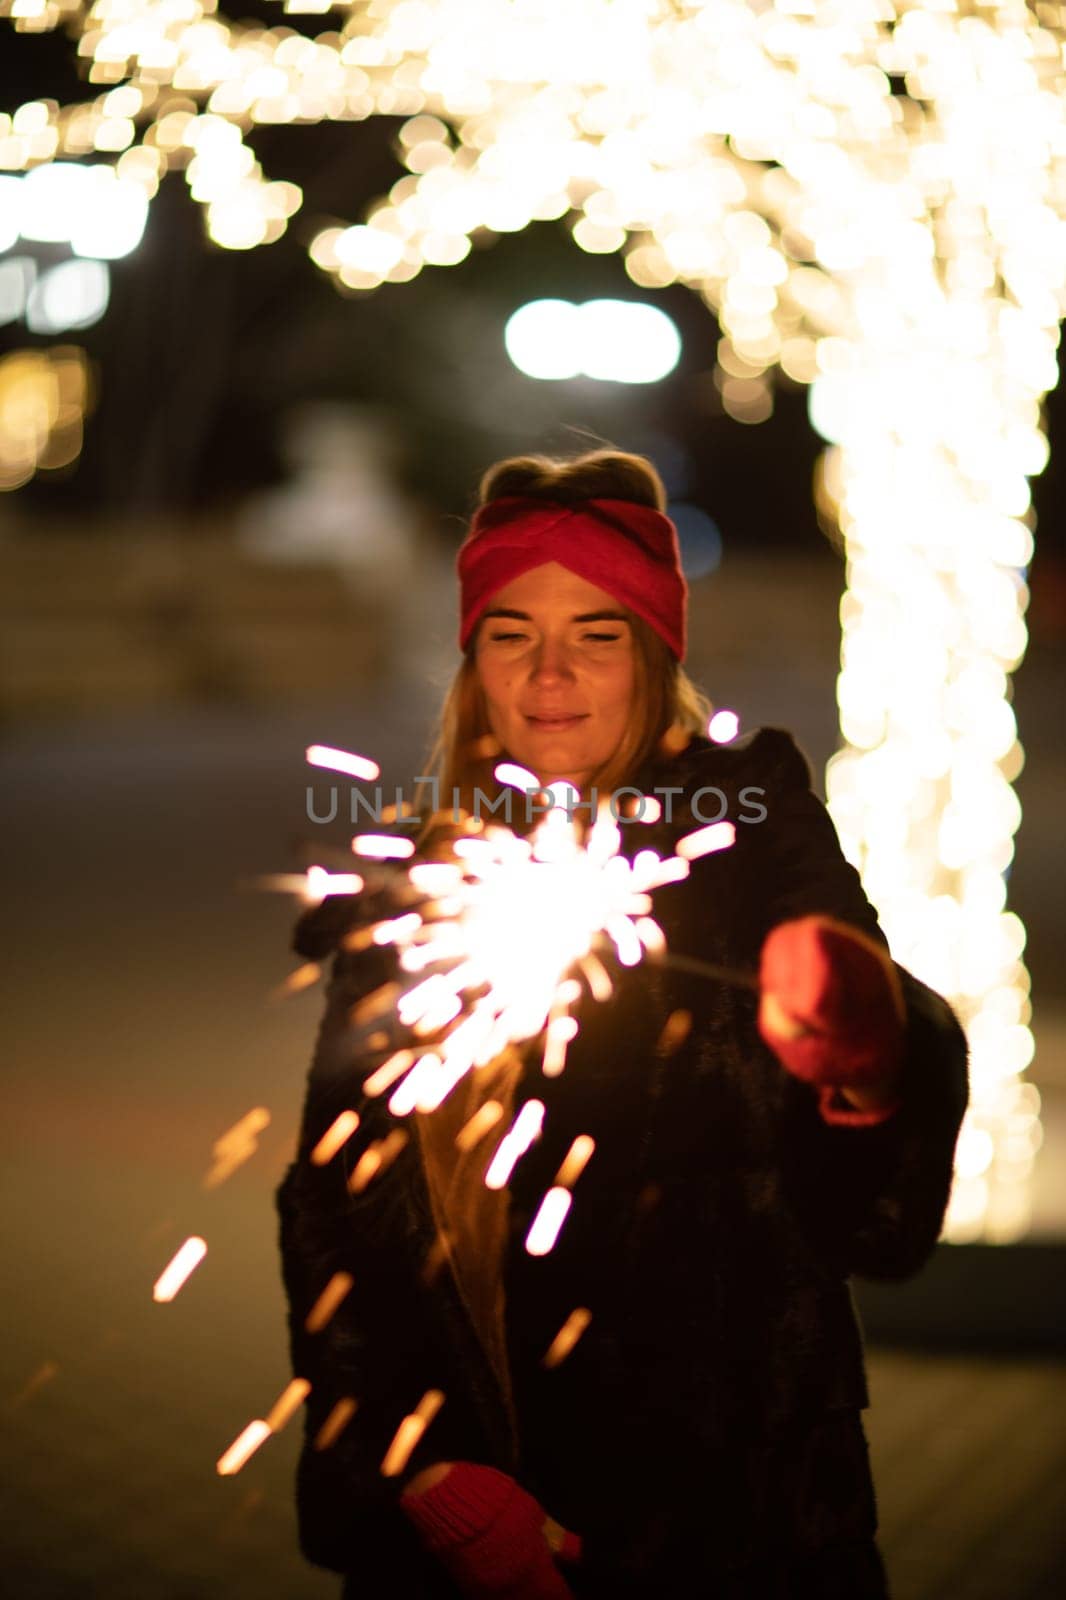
410 1432
716 836
386 1075
406 1097
560 1031
336 1290
551 1214
436 1256
324 755
42 1375
515 1142
651 935
435 877
676 1030
575 1161
302 978
236 1146
399 928
381 1154
377 1003
321 883
597 977
567 1337
177 1270
335 1423
244 1446
481 1123
311 886
517 777
334 1137
287 1404
382 846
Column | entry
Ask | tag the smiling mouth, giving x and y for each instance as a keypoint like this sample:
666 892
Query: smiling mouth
556 723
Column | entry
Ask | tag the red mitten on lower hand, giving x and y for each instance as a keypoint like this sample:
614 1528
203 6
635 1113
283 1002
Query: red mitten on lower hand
832 1010
489 1534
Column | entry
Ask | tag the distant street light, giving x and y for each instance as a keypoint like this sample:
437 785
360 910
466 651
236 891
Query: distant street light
614 341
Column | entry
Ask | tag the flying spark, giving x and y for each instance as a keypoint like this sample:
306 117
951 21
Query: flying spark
567 1337
245 1445
236 1146
334 1138
177 1270
410 1432
335 1423
336 1290
324 755
287 1404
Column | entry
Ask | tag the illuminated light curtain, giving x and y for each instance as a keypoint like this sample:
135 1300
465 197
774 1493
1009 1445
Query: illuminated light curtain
870 197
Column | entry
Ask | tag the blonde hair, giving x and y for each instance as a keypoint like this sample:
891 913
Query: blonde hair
667 706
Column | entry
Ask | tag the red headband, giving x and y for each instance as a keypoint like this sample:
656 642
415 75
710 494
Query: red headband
628 550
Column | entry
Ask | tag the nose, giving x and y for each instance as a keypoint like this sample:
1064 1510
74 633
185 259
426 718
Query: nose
552 662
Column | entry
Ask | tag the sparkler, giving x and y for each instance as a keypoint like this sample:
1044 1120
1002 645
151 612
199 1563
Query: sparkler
501 930
504 927
490 951
490 944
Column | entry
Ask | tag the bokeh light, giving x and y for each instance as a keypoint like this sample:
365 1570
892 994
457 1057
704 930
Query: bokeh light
73 294
44 396
614 341
723 727
94 209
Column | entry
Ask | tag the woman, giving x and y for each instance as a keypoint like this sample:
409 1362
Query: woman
755 1146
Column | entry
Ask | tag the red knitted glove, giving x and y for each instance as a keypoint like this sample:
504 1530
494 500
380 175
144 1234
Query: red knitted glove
832 1011
489 1534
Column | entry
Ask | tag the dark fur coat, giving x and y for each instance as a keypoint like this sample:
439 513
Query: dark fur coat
705 1433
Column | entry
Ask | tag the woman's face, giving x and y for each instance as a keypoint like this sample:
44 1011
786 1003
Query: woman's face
555 660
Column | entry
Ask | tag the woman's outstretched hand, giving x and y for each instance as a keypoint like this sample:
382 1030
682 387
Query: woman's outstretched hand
832 1010
490 1535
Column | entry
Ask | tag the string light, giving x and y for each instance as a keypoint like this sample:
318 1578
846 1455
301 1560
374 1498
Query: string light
870 199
